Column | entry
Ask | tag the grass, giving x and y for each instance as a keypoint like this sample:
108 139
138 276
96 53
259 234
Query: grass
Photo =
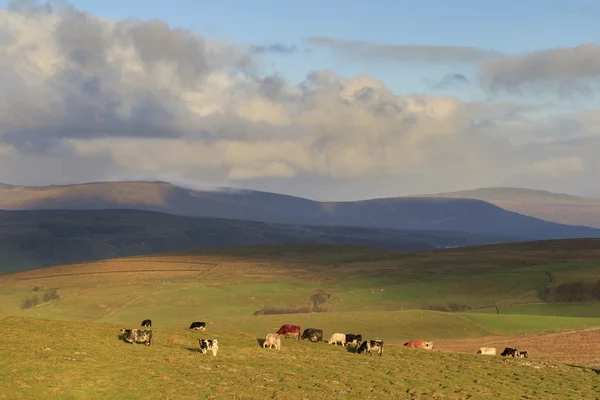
69 348
81 360
517 324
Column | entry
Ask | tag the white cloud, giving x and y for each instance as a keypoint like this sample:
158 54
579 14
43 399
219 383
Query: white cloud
85 98
558 167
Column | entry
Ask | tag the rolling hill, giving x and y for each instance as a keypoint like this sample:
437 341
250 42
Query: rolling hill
554 207
31 239
74 349
414 213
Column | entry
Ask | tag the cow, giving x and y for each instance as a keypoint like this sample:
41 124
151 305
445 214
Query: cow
487 351
198 326
209 344
337 338
272 339
368 345
356 340
419 343
137 335
147 323
523 354
509 351
312 334
289 329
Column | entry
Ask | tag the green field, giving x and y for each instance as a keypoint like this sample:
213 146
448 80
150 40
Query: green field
380 294
82 360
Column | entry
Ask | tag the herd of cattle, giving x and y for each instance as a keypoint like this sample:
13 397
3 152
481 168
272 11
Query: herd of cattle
312 334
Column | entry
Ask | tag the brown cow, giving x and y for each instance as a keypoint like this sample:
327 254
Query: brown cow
420 344
289 329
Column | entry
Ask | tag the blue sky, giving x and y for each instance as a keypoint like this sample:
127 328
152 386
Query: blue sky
82 100
510 26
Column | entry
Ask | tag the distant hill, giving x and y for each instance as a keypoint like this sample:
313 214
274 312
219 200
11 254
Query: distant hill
414 213
30 239
554 207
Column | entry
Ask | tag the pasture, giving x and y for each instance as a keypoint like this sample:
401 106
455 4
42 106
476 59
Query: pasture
378 293
83 360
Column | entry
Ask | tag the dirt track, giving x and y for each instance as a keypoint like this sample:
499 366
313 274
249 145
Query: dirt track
580 347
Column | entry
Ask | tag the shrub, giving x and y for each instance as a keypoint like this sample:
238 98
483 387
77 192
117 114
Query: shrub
51 294
29 302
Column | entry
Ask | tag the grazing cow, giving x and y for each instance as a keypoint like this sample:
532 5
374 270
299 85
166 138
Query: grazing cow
509 351
356 340
487 351
369 345
147 322
314 335
523 354
289 329
209 344
419 343
198 326
337 338
271 340
137 335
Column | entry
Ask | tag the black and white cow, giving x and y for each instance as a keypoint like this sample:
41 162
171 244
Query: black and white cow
523 354
198 326
312 334
137 335
509 351
147 323
356 340
369 345
209 344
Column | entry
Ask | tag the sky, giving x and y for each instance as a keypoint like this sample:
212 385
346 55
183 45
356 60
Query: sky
328 100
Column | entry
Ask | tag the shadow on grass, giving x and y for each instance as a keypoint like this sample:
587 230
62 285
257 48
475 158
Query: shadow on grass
352 349
122 339
260 342
581 367
194 349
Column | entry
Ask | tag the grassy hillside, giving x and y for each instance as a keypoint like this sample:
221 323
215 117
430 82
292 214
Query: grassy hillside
555 207
30 239
414 213
221 284
88 361
70 347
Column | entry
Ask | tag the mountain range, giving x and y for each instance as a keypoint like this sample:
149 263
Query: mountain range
30 239
442 212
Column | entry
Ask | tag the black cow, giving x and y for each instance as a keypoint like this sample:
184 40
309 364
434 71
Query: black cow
356 340
209 344
147 322
198 326
509 351
312 334
137 335
369 345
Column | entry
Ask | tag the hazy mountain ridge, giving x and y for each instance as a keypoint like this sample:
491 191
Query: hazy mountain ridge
420 213
555 207
31 239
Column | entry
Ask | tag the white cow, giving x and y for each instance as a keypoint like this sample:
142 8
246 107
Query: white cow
338 338
271 340
487 351
209 344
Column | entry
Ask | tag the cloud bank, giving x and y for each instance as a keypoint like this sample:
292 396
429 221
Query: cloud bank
85 99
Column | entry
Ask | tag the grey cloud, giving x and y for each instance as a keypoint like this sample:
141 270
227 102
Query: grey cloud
276 48
366 50
96 99
565 70
451 80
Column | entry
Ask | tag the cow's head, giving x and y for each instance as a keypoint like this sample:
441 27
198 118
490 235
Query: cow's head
429 345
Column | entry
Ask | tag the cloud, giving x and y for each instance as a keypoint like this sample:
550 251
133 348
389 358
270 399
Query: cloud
362 49
566 70
276 48
558 167
451 80
86 98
